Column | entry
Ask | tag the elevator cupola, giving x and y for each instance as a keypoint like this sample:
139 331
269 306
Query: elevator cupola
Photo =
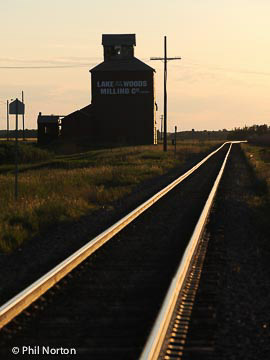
118 46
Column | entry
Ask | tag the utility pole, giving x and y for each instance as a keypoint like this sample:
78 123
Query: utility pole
23 118
175 133
165 59
161 126
7 120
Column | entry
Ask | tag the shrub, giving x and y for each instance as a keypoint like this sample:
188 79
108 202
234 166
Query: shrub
27 153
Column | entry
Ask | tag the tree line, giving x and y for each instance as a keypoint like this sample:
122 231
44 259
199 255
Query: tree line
249 132
28 133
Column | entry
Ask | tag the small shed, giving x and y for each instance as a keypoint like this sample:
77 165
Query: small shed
48 128
79 124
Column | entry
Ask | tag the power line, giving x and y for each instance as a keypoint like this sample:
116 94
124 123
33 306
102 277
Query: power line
45 67
214 67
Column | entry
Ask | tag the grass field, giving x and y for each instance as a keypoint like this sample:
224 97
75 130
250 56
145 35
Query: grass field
20 139
259 160
58 188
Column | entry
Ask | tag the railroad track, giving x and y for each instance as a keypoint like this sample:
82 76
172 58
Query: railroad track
130 271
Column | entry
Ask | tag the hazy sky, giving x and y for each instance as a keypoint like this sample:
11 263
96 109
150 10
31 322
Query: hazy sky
222 81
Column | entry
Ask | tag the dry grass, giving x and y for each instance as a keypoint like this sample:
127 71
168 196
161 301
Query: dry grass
67 187
259 158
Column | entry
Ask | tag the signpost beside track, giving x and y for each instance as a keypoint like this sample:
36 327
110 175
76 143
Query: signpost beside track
16 107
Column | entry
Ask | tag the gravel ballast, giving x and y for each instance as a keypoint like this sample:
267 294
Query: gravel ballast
235 282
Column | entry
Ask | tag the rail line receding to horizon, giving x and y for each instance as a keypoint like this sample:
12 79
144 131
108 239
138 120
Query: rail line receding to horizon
18 303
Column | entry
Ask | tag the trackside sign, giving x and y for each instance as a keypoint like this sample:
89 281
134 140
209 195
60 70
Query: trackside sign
123 87
16 107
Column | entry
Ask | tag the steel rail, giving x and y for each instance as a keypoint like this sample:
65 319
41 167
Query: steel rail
156 338
21 301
